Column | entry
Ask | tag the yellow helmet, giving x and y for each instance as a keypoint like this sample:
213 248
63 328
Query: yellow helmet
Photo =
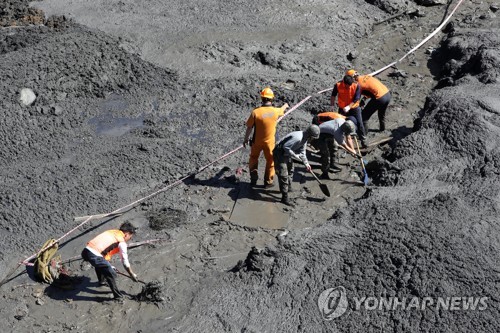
267 93
351 72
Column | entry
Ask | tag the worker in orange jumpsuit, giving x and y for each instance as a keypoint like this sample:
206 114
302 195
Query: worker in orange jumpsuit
379 96
262 121
99 251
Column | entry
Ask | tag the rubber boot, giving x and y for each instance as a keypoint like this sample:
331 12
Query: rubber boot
114 288
382 126
334 168
285 200
324 175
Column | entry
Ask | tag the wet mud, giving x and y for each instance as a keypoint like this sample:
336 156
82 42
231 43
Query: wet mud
131 97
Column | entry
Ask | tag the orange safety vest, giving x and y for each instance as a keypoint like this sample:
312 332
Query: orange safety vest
371 87
107 243
326 116
345 94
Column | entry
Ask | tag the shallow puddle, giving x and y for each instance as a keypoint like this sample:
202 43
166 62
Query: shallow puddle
108 125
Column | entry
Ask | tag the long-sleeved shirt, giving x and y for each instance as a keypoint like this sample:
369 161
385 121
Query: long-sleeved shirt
333 127
294 145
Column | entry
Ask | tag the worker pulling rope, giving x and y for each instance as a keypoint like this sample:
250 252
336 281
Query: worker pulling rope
133 204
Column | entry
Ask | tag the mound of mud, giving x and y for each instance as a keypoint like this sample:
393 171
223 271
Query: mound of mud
152 292
428 232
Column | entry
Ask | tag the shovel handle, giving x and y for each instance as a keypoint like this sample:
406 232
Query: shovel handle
126 275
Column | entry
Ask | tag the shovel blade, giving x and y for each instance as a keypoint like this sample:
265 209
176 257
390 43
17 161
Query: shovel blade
365 177
324 189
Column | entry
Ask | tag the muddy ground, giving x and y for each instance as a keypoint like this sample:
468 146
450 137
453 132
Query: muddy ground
132 96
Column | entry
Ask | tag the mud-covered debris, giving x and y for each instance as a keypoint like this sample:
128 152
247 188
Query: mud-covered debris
257 260
166 218
152 292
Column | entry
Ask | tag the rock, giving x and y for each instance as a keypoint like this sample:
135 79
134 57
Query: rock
494 7
27 96
56 110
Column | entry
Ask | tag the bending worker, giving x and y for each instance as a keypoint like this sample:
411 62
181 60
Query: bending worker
100 250
348 94
263 121
338 130
326 116
292 146
379 96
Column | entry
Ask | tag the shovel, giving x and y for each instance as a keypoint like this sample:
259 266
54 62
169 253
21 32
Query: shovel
365 175
126 275
322 186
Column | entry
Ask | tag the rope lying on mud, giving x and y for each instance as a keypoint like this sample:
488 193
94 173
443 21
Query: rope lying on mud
421 43
125 208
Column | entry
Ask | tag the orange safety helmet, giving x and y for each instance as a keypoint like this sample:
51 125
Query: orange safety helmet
351 72
267 93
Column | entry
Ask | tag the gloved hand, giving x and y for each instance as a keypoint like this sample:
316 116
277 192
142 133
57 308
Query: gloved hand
245 142
134 277
346 109
114 268
308 166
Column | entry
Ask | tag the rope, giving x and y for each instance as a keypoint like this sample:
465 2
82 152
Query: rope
131 205
422 42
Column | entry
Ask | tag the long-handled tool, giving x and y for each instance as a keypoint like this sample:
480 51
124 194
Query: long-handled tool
322 186
121 273
365 174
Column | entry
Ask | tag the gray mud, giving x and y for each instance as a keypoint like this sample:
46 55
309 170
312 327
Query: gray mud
132 96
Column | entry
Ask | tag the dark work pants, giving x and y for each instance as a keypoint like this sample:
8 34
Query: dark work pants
375 105
356 113
283 165
327 147
103 270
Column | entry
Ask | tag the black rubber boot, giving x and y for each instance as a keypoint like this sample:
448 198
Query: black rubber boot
285 200
334 168
324 175
382 127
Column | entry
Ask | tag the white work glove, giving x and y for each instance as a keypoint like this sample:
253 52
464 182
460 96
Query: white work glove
134 277
113 267
346 109
308 167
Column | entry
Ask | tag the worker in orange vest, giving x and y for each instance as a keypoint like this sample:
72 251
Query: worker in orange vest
379 96
100 249
322 117
262 121
348 94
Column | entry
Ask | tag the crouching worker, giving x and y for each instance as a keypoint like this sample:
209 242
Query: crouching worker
100 250
291 146
338 130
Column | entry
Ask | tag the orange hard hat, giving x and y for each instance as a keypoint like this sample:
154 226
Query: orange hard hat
267 93
351 72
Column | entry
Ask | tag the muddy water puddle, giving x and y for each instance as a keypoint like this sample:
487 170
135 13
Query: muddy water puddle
107 124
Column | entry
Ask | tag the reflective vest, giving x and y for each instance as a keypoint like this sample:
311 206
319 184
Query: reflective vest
345 95
371 87
107 243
